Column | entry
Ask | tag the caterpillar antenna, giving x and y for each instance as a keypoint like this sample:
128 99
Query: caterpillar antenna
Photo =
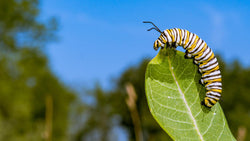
155 27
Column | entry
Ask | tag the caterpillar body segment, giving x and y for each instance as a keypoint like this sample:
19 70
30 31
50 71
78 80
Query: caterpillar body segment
203 56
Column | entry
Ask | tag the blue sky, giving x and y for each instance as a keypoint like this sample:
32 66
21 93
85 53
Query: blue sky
99 39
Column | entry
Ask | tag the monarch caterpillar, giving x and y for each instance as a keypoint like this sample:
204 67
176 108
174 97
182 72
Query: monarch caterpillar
203 56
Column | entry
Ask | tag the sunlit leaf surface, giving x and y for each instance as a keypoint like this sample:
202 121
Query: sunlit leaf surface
174 97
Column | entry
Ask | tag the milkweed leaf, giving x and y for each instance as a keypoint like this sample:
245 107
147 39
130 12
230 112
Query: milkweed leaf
174 97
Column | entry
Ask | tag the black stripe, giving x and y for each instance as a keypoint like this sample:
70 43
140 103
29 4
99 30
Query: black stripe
210 100
184 36
210 92
176 35
215 91
190 41
181 35
160 39
214 95
164 35
204 66
214 82
213 98
203 52
197 47
214 85
205 55
171 36
210 76
211 68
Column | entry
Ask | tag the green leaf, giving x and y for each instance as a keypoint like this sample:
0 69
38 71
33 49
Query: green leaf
174 97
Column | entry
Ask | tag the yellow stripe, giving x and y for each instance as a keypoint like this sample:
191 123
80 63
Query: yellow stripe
216 90
217 98
193 45
207 102
180 36
213 80
206 73
187 39
199 53
155 44
159 43
163 39
215 68
206 61
212 100
210 57
172 35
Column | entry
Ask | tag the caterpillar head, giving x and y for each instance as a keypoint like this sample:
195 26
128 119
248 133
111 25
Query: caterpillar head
157 44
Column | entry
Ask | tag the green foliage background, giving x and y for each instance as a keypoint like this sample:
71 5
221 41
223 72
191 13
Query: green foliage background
25 77
26 80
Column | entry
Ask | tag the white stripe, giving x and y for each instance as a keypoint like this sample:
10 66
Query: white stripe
202 45
165 37
215 87
214 93
160 41
197 45
214 83
210 67
168 36
209 63
212 73
189 40
211 96
204 53
185 37
193 39
182 37
173 33
211 78
199 42
207 56
178 36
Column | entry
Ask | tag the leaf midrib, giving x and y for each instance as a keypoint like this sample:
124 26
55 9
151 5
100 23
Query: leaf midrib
186 104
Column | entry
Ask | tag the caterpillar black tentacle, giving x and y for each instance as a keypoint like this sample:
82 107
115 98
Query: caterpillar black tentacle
203 56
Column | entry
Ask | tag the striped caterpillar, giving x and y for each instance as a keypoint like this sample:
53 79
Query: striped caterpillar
203 56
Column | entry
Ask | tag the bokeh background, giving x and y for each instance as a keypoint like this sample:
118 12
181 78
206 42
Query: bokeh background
67 67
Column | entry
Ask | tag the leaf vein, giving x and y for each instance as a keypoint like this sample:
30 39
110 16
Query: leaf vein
210 124
173 119
188 108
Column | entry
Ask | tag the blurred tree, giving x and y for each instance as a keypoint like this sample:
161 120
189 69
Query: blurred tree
236 98
25 78
110 107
